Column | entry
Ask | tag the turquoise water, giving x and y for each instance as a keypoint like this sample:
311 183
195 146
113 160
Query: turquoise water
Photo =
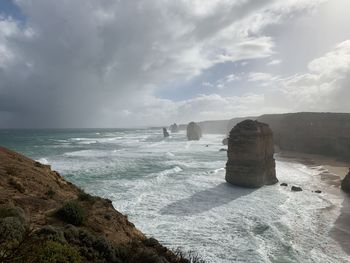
174 190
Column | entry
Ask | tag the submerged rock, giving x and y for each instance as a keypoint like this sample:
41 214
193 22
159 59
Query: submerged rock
296 188
165 133
194 132
250 155
174 128
345 183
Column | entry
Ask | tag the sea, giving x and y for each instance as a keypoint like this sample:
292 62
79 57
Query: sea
175 191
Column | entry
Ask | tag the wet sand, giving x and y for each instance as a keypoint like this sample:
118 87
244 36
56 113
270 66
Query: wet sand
331 172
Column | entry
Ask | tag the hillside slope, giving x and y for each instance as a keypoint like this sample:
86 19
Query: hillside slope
46 207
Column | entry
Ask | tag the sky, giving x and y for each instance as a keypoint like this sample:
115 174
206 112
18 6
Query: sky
136 63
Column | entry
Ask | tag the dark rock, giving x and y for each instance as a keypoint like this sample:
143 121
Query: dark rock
345 183
283 184
165 133
296 188
223 150
194 132
151 242
318 191
225 141
174 128
250 155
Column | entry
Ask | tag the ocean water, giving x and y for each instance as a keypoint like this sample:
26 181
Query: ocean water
174 190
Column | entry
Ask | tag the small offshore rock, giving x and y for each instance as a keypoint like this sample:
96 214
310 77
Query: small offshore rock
283 184
296 188
318 191
223 150
165 133
225 141
345 183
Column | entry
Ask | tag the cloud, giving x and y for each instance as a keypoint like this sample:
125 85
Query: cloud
274 62
99 63
324 88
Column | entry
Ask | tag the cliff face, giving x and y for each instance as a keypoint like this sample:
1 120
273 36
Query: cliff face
316 133
63 218
194 132
250 155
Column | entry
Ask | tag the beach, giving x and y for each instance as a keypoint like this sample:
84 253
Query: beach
331 171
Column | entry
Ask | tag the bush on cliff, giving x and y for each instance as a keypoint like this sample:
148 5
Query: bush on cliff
71 213
55 252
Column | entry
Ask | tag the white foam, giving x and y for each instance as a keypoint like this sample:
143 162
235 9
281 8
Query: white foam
43 161
185 201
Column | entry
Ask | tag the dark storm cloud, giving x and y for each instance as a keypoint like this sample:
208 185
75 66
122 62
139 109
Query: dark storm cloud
97 63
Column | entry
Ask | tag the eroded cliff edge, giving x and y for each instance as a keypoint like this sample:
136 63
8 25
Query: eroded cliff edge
40 209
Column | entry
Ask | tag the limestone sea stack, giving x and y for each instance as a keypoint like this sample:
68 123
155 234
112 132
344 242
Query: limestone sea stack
165 133
250 155
174 128
194 132
345 183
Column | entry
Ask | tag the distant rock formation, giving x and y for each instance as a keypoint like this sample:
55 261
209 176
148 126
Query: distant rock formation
194 132
250 155
165 133
174 128
225 141
345 183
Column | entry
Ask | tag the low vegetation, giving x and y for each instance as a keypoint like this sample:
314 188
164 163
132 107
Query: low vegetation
71 213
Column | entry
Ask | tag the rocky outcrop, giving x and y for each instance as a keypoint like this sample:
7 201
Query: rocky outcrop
194 132
225 141
345 183
165 133
174 128
250 155
296 188
44 218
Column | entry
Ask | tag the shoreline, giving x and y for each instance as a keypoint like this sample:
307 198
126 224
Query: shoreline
332 172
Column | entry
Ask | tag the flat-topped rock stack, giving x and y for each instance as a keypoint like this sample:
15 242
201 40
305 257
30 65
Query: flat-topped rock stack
250 155
194 132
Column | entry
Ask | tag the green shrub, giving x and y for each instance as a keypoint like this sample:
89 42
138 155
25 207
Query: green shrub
51 233
147 256
71 213
82 196
54 252
12 224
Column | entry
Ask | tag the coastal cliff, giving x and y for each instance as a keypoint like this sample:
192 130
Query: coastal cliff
42 216
315 133
250 155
